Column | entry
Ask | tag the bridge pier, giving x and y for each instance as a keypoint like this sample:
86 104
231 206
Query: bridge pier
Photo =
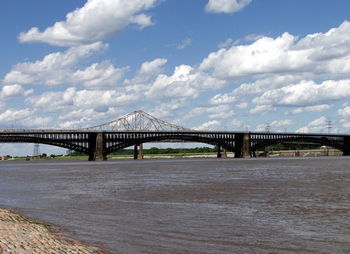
135 152
224 155
242 145
346 151
138 153
219 152
97 147
221 155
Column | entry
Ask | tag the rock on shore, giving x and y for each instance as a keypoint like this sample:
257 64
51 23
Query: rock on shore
22 236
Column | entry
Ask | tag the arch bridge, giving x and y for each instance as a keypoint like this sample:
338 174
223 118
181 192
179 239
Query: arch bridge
138 127
98 144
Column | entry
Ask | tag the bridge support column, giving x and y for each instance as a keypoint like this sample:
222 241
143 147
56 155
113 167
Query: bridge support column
346 151
242 145
138 153
135 152
97 145
253 153
224 155
219 152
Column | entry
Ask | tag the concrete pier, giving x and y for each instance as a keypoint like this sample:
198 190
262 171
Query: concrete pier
242 145
97 147
138 152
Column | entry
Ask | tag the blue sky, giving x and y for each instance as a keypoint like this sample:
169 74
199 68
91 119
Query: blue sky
204 64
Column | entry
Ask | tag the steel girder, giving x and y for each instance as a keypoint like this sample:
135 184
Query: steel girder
84 140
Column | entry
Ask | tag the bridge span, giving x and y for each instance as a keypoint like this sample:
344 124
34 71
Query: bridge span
98 144
139 127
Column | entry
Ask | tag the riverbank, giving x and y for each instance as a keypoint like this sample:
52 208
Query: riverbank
21 235
277 153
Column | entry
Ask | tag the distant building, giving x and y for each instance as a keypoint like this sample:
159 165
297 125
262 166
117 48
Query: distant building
4 158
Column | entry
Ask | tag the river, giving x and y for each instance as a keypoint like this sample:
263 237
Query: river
206 206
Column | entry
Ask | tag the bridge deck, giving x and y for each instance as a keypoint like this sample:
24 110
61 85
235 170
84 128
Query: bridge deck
100 143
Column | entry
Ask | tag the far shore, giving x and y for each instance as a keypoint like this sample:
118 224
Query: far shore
277 153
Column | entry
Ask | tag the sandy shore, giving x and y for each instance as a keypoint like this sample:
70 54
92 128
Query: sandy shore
19 235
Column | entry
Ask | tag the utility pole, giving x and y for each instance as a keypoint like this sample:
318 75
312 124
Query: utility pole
36 151
329 126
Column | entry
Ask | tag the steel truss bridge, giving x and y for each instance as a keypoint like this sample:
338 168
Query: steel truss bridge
138 127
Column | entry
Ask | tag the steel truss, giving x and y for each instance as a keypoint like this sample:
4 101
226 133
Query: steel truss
139 127
138 120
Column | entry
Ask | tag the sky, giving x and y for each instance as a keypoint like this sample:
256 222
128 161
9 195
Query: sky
236 65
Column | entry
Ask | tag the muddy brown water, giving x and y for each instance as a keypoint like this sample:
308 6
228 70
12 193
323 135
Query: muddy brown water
206 206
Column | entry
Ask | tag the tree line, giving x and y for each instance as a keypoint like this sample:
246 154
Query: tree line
155 150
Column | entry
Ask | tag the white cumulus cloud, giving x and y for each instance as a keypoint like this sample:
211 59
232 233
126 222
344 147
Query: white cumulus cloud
318 125
281 123
151 69
344 112
95 21
261 109
23 118
185 81
53 69
226 6
208 125
222 99
306 93
316 108
102 74
213 112
61 68
315 54
73 99
13 91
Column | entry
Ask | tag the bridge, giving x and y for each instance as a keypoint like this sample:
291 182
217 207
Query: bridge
138 127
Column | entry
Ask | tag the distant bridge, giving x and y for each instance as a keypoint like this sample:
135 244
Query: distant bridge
138 127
